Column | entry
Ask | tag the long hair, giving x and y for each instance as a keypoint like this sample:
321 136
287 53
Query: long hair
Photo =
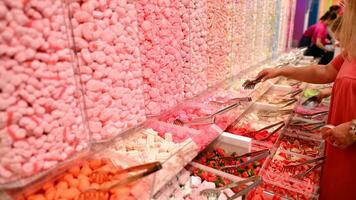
348 29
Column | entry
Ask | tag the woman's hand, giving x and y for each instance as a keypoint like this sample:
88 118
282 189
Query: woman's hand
339 136
269 73
324 94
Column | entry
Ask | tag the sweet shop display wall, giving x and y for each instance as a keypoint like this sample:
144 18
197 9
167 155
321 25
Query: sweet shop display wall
74 72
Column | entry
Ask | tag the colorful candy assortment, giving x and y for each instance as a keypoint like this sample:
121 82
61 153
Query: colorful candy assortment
215 159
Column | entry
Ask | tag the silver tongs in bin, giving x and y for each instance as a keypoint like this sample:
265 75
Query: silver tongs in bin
289 102
306 124
195 121
280 125
250 84
292 167
210 119
313 115
215 193
133 174
254 156
275 113
233 101
292 93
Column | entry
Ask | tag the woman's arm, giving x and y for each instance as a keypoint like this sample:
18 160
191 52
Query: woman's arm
319 74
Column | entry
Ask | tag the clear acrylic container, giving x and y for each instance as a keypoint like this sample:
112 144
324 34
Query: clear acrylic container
159 143
254 119
281 182
42 118
229 145
107 49
195 77
165 53
193 179
73 180
301 143
219 40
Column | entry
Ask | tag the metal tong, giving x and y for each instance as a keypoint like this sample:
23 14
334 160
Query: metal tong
215 193
305 124
255 156
280 100
274 113
313 115
303 174
289 102
281 125
206 120
233 101
292 93
195 121
250 84
314 99
134 173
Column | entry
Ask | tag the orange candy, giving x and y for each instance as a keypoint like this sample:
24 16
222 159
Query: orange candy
71 185
95 164
75 171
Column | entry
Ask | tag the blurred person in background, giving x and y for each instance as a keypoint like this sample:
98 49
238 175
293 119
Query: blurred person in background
319 39
305 41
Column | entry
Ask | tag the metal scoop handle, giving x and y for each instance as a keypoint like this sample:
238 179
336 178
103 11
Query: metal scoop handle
226 109
306 162
143 170
259 155
303 174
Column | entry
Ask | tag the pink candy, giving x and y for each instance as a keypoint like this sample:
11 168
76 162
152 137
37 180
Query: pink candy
110 66
38 100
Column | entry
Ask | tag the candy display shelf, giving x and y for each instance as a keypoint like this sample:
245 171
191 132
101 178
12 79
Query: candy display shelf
302 144
174 144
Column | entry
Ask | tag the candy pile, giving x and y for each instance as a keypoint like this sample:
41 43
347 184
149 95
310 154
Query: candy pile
215 159
165 46
187 187
187 113
258 194
77 182
41 121
181 133
300 145
195 76
148 146
277 173
107 43
248 131
312 110
280 160
219 40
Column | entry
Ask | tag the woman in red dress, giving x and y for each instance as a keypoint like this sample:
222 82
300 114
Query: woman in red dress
339 172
